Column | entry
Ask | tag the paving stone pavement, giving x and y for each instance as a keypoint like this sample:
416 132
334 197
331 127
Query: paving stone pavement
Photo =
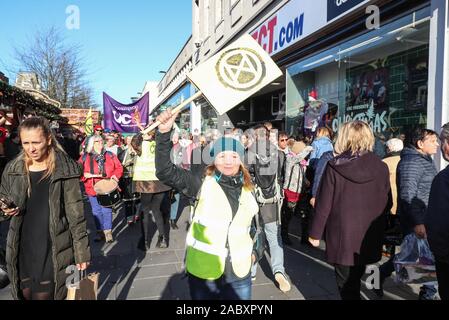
128 273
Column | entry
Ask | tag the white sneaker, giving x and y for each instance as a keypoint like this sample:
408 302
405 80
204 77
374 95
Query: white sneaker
284 285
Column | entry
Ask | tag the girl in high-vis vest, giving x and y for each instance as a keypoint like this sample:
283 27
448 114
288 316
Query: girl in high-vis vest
219 245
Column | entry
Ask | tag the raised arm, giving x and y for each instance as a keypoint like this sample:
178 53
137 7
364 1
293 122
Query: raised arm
178 178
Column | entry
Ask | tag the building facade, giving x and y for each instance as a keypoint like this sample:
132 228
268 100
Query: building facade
382 61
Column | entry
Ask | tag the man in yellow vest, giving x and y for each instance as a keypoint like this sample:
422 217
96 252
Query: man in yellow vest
219 245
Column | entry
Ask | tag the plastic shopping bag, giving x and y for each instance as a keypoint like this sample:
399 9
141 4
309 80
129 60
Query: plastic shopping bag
415 262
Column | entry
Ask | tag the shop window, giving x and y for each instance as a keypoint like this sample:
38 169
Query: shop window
380 77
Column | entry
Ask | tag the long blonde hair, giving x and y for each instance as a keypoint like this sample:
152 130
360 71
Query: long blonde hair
247 183
44 125
355 136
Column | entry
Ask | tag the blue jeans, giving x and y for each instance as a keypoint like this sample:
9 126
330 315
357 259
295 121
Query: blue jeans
219 289
174 207
273 234
102 215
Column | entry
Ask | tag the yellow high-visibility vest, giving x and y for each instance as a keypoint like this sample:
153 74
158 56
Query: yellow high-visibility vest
145 167
212 226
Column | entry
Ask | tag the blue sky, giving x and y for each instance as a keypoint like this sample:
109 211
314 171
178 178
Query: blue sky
125 43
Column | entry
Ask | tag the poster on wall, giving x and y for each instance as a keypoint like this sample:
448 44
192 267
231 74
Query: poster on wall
366 88
417 78
367 91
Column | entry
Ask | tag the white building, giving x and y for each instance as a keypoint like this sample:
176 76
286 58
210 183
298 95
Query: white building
385 61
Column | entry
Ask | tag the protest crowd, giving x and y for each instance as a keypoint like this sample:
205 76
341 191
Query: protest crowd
243 188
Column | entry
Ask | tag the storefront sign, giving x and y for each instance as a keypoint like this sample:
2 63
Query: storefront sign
299 19
336 8
295 21
378 121
78 116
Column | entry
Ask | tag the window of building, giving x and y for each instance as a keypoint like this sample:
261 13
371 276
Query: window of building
206 13
232 3
183 121
218 11
380 77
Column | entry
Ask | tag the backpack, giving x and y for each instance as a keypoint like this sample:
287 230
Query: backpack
267 189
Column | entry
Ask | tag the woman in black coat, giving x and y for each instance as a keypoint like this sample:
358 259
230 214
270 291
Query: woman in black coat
48 232
437 220
350 205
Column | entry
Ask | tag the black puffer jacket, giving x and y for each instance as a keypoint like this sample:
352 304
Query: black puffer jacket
68 230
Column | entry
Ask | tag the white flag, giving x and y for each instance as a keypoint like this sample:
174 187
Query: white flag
234 74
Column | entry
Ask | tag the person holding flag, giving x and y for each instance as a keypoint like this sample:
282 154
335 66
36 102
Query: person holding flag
88 123
219 245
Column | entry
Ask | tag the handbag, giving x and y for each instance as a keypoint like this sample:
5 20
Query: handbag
4 279
415 262
85 289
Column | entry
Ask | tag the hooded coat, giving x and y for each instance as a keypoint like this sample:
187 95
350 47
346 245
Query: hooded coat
351 201
68 229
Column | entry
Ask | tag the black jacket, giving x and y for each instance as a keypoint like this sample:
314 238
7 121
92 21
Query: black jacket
437 218
68 230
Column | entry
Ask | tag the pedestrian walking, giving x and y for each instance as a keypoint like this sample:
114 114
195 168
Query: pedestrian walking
394 148
350 205
294 185
42 198
266 165
415 173
130 197
99 164
437 219
321 144
219 246
152 191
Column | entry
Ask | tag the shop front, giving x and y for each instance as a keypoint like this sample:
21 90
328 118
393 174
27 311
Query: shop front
380 77
183 121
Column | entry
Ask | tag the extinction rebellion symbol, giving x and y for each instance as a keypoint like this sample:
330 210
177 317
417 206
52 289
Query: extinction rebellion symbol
240 69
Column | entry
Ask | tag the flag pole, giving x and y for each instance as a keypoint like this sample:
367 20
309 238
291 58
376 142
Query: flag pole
175 110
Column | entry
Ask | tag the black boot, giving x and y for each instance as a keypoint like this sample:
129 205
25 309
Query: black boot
162 242
173 224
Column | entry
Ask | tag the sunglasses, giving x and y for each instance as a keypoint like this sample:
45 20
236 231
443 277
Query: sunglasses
283 140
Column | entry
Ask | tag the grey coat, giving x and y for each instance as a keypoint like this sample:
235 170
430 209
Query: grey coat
414 176
293 177
68 230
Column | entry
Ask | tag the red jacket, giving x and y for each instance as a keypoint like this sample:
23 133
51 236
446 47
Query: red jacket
112 165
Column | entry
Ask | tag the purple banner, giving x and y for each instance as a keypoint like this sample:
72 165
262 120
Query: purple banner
124 117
